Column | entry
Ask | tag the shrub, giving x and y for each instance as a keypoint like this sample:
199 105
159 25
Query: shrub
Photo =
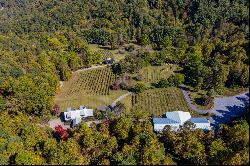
138 77
173 80
176 80
208 101
123 82
56 110
116 86
98 115
130 48
125 86
205 101
210 92
162 84
61 133
139 87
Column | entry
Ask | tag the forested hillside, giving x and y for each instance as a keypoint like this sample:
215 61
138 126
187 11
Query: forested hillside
43 41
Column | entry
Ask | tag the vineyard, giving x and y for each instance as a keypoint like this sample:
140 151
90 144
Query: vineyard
95 81
155 73
90 88
159 101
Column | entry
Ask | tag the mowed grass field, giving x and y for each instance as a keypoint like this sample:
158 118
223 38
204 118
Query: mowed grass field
117 54
155 73
159 101
106 52
89 88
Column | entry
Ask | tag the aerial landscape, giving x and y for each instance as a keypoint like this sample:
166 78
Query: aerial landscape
124 82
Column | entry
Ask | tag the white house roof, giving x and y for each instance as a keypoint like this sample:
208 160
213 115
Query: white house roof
178 116
74 114
199 120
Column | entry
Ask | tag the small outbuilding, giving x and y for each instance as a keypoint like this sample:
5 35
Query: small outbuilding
108 61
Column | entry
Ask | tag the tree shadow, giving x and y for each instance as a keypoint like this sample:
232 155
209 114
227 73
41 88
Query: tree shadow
244 99
184 88
226 116
61 116
199 101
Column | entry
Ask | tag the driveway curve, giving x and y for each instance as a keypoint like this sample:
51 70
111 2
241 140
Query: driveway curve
225 108
120 98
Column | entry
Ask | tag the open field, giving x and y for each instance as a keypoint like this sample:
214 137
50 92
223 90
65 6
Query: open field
89 88
117 54
159 101
155 73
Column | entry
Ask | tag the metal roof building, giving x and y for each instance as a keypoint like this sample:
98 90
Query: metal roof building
178 118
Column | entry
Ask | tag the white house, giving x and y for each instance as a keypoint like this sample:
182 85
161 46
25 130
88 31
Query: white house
77 115
178 118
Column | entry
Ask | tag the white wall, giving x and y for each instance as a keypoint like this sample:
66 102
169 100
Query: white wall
160 127
203 126
175 127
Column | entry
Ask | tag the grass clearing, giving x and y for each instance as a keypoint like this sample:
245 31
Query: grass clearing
233 91
117 54
155 73
159 101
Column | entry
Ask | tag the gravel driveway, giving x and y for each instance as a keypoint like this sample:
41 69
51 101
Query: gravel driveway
120 98
55 122
225 108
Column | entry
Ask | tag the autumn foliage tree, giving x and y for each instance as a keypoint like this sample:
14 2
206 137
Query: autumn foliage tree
61 133
56 110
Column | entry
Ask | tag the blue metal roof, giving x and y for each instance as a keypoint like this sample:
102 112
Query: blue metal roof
199 120
163 121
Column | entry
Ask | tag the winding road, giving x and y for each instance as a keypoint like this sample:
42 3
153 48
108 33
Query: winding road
225 108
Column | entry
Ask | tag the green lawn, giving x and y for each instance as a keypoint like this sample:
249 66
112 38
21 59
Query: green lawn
117 54
152 74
